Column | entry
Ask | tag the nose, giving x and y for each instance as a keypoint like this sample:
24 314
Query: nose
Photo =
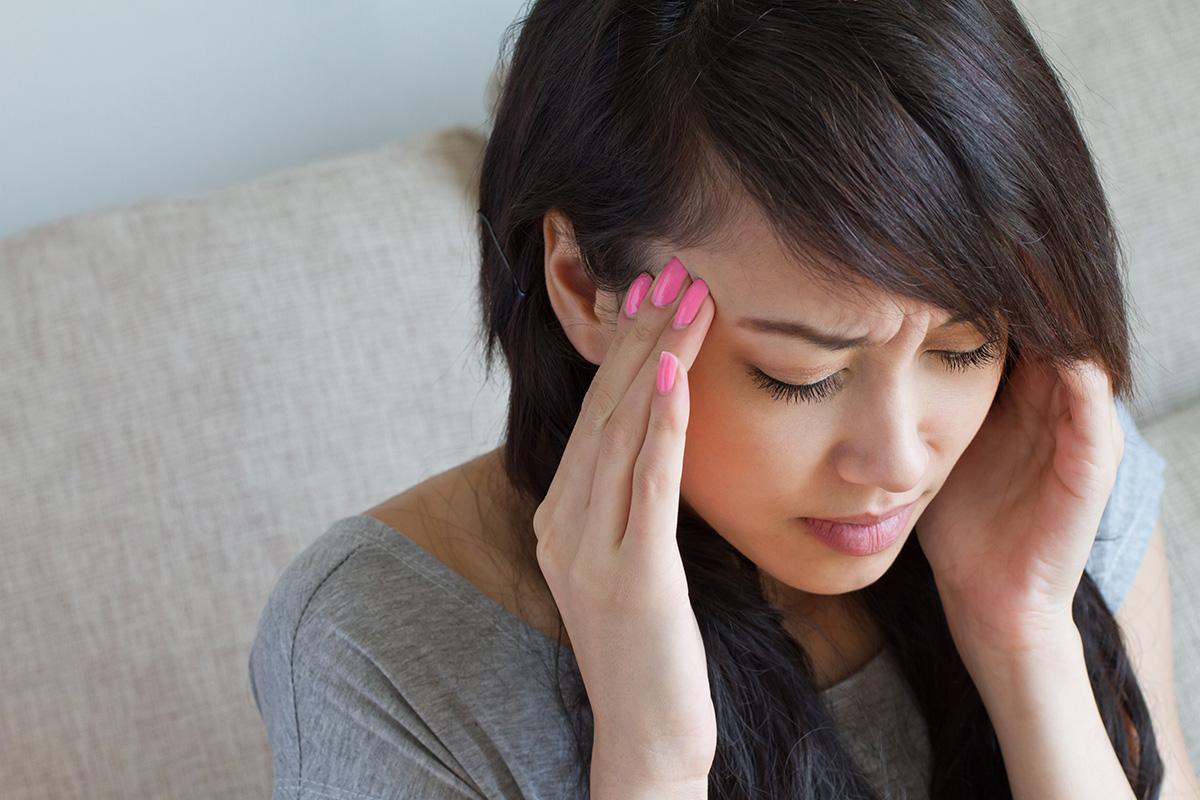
883 446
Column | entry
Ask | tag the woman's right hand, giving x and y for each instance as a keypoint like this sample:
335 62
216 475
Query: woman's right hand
607 542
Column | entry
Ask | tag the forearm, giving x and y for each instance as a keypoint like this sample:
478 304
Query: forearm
1049 726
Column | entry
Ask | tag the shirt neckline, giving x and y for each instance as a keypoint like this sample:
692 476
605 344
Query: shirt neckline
471 594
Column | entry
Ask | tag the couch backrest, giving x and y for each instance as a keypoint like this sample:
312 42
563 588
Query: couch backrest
191 390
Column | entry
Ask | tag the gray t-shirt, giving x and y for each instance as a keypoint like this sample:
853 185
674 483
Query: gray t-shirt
380 673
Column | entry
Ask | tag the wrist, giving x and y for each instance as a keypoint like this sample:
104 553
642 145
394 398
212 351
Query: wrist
621 768
1013 669
616 787
1043 709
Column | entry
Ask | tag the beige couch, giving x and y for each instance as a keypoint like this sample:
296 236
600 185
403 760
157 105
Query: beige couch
195 387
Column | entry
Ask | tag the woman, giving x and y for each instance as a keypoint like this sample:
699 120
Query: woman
856 257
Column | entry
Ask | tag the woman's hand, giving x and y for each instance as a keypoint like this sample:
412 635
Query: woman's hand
1010 531
607 544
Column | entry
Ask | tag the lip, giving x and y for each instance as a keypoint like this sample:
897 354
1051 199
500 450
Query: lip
865 519
860 540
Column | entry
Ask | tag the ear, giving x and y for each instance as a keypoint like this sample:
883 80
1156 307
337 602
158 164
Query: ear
587 316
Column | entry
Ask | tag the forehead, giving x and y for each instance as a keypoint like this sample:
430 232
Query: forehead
749 273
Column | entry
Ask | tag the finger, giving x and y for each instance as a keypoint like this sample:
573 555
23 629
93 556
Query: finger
1089 397
658 471
572 471
634 296
1031 387
627 428
1118 434
625 357
1095 458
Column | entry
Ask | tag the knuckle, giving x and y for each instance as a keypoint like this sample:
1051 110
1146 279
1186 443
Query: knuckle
546 552
539 521
651 480
642 332
544 524
665 422
619 437
598 407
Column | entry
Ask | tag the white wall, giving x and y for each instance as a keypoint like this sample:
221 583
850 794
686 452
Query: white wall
105 103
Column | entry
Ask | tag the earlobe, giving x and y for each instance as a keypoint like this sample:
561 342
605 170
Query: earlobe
572 294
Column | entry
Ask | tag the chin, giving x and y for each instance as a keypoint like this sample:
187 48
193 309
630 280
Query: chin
840 582
828 572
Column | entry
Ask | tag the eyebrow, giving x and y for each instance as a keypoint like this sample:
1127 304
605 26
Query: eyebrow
830 341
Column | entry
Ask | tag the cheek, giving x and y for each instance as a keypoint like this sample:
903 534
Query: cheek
720 434
743 458
954 422
973 405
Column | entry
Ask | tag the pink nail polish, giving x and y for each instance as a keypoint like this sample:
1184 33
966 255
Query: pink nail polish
667 364
668 283
637 291
690 304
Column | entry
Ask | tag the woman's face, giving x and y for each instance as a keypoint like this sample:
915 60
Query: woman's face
886 429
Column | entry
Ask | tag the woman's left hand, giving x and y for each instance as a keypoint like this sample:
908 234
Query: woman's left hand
1010 530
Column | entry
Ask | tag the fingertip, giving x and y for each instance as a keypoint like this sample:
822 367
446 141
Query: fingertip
680 386
707 311
668 372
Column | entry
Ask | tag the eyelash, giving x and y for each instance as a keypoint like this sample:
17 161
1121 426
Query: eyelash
816 392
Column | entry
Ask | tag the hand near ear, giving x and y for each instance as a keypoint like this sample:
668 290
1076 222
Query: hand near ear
1011 529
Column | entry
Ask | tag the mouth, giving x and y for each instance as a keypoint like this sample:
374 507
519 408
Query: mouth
866 519
858 539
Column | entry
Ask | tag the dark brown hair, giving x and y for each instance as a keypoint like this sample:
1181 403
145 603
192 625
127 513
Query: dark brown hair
926 147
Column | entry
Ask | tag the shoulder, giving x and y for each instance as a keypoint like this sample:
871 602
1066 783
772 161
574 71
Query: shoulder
327 686
1129 516
374 673
365 589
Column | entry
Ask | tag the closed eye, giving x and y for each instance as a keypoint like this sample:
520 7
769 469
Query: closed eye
816 392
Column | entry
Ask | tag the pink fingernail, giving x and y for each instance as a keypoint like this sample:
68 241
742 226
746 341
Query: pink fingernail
669 281
667 364
637 291
690 304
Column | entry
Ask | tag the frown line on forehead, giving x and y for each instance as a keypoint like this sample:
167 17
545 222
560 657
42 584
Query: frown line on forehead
828 340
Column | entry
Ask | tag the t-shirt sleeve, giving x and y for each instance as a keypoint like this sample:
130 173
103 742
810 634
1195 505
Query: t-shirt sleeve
1130 515
337 725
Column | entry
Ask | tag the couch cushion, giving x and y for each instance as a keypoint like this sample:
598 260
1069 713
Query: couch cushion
192 388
